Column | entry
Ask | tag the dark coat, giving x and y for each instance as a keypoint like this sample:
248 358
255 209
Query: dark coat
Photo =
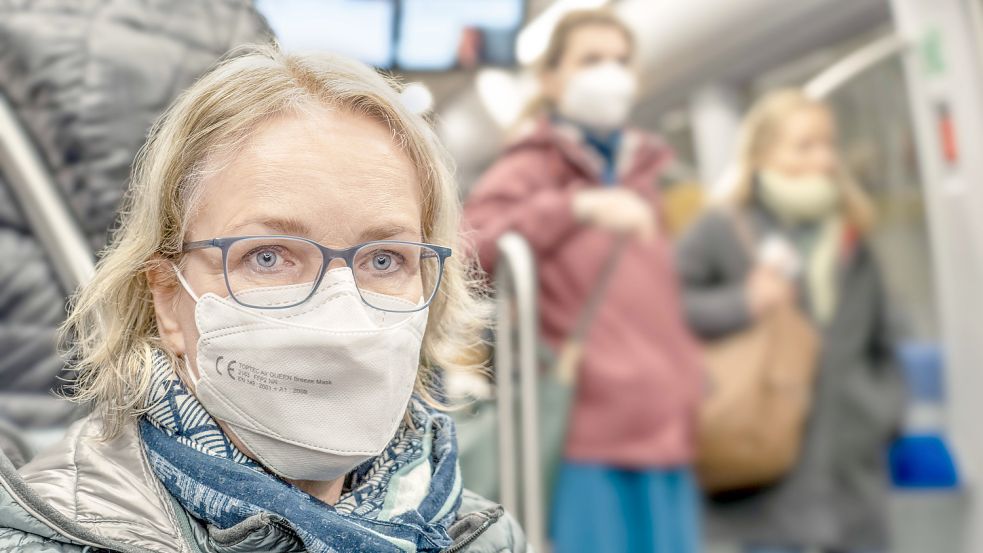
836 496
87 78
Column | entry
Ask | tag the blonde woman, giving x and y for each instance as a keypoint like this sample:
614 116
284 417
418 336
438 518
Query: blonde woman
577 181
808 221
258 339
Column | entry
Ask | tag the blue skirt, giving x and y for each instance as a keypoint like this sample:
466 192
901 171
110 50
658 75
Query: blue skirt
597 508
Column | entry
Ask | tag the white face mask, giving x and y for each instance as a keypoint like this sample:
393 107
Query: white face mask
799 199
311 390
599 97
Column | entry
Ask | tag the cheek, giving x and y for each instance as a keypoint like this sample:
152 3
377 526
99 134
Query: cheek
553 85
189 330
788 161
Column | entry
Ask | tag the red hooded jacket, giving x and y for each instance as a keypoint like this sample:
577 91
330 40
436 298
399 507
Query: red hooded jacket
640 379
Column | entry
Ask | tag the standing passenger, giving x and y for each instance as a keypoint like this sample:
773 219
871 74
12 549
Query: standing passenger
574 183
792 191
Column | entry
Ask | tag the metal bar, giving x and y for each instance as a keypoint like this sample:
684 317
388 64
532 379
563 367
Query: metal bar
42 203
505 394
854 64
516 256
524 272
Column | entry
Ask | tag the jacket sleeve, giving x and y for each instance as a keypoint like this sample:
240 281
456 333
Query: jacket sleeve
516 194
714 301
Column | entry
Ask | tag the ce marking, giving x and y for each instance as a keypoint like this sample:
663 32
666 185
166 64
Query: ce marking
228 369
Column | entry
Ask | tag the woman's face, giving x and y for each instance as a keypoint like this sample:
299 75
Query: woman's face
805 145
589 45
327 175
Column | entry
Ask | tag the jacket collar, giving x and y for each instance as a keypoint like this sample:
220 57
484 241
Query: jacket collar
850 240
638 150
86 491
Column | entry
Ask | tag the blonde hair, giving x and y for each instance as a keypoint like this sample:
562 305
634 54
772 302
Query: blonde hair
111 329
759 133
560 41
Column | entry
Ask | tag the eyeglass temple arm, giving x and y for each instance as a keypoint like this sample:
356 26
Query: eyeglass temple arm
197 245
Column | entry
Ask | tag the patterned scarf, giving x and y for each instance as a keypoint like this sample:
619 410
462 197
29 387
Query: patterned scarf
403 500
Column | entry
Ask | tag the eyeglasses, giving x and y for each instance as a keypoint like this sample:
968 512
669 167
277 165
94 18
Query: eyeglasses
277 272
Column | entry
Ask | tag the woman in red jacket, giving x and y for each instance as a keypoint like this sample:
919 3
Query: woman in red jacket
574 183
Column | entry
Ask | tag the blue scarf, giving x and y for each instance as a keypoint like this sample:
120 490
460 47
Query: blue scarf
403 500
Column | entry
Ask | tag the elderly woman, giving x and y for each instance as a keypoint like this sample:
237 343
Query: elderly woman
258 339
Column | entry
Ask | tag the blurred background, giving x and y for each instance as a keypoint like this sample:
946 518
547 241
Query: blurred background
903 79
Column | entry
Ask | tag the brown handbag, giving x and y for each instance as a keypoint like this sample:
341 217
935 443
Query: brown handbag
751 425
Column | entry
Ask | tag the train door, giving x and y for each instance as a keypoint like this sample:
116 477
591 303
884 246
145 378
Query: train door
944 77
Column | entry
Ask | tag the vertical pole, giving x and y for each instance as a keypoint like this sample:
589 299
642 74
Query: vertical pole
516 281
716 112
505 394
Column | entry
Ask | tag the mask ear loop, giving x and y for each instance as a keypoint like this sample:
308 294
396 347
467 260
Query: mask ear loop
184 283
184 356
189 372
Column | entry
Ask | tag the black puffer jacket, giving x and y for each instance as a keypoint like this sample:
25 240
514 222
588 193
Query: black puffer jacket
87 79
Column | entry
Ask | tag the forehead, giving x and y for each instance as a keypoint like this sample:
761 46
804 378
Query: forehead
597 38
331 175
807 121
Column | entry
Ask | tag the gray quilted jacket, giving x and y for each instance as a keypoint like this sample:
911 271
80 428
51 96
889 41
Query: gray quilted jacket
87 495
87 78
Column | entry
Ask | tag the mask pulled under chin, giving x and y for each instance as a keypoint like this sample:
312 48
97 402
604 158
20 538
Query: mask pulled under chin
799 199
599 97
314 390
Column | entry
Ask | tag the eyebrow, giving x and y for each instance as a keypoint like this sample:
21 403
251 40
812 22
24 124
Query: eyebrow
281 225
382 232
294 227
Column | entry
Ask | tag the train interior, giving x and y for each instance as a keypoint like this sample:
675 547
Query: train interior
905 79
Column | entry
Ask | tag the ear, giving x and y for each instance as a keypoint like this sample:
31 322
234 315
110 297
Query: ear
165 289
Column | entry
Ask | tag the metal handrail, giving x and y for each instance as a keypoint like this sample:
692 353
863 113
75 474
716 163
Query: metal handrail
853 65
42 203
515 283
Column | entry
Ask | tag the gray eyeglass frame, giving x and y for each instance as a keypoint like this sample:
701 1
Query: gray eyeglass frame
327 255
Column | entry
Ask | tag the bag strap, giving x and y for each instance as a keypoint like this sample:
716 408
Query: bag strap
572 350
745 234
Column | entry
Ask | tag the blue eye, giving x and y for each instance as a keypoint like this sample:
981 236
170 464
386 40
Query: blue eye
382 262
266 259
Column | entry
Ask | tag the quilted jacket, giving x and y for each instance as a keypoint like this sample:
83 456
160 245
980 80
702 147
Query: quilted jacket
87 78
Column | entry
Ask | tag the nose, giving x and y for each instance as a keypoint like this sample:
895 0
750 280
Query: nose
336 263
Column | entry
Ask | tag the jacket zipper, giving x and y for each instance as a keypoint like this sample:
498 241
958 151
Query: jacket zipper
185 524
472 536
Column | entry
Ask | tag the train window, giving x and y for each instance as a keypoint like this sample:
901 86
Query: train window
879 148
411 35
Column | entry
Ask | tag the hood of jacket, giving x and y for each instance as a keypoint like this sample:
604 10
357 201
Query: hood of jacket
638 152
89 492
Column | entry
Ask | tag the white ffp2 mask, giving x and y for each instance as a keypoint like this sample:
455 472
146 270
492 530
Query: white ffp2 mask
312 390
599 97
799 199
